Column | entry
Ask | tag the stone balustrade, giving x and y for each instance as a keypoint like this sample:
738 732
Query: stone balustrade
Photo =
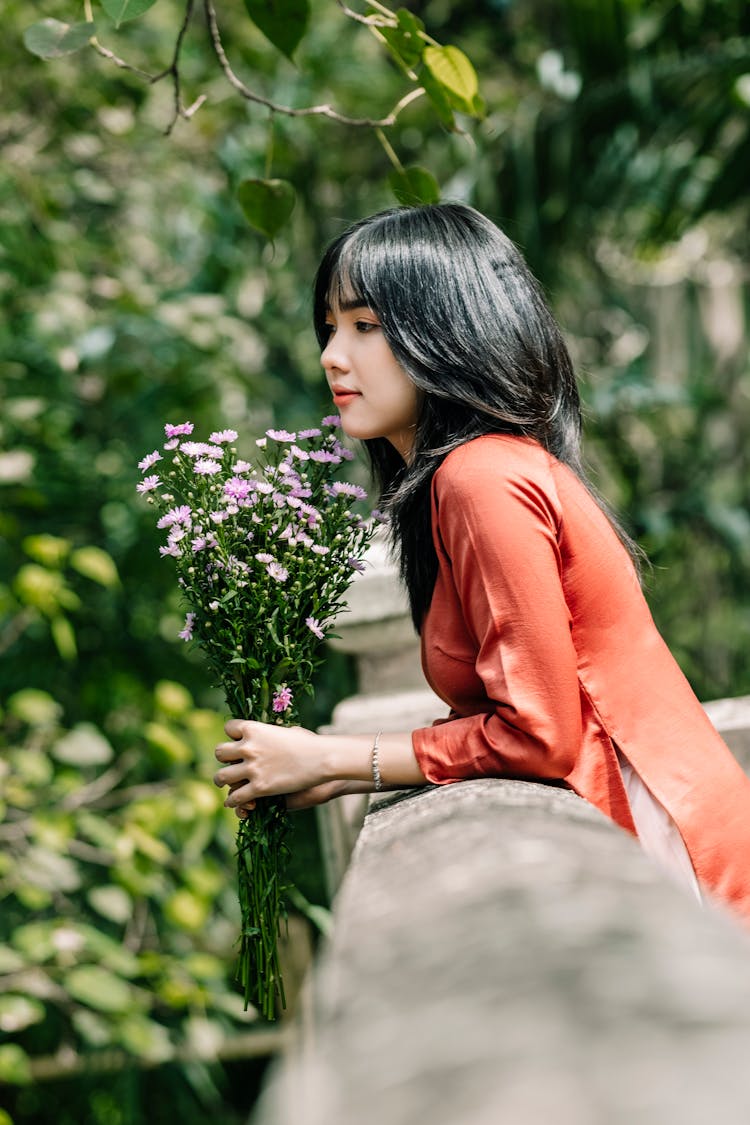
502 953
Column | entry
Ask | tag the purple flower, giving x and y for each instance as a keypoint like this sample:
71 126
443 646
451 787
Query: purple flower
150 460
282 698
175 431
341 451
380 517
201 449
222 436
187 633
331 420
324 456
204 542
303 434
218 517
241 467
148 484
206 467
314 626
183 514
237 488
299 453
356 564
342 488
281 435
277 571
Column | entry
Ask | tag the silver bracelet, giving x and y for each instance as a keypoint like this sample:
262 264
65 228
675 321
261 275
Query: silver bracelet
377 779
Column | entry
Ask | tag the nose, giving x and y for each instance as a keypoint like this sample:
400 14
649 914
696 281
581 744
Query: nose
333 357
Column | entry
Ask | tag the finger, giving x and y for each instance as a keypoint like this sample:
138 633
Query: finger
239 795
231 775
236 728
228 751
245 811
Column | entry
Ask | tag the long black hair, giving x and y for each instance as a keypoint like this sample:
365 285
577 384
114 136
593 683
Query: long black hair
467 321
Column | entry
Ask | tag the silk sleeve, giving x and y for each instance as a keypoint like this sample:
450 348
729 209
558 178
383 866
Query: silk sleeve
497 534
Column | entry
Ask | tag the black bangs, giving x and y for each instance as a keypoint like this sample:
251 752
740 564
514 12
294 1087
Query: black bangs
355 271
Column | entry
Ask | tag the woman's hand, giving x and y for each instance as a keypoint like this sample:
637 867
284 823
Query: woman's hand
264 760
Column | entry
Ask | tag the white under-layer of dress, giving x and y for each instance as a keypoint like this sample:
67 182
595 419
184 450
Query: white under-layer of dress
657 832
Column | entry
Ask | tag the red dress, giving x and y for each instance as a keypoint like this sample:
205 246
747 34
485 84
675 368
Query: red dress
539 639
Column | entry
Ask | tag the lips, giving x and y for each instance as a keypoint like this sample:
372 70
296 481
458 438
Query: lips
342 395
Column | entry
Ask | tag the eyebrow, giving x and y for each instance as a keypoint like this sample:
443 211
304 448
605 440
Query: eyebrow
350 305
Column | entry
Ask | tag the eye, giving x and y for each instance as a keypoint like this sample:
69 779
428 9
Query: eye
366 326
328 331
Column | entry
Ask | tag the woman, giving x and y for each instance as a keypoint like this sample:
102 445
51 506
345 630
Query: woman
442 356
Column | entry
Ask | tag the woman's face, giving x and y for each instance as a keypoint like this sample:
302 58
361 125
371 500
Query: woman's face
371 391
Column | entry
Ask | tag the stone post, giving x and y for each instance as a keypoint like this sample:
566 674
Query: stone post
377 630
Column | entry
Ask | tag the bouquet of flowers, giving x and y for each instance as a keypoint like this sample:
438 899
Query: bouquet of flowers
264 554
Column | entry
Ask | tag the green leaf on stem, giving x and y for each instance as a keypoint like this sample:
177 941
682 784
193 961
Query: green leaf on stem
120 11
452 70
50 39
405 42
283 22
414 185
266 204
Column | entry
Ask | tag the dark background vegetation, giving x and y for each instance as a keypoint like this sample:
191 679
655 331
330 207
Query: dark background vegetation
614 150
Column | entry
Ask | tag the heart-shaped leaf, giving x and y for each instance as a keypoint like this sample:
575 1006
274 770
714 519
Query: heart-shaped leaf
123 10
267 204
283 22
50 39
414 185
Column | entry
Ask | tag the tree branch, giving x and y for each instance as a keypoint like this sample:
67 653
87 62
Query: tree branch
307 111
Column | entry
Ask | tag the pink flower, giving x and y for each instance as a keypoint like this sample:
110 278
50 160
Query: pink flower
206 467
148 484
324 456
237 488
319 550
172 443
308 434
175 431
342 488
264 557
282 699
277 571
300 453
341 451
241 467
331 420
221 436
172 549
187 633
201 449
281 435
150 460
183 514
314 626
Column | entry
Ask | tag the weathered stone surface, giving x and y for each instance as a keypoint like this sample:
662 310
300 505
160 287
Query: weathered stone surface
503 954
731 717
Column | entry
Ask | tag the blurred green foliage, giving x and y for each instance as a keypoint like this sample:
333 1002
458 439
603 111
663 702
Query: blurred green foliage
132 291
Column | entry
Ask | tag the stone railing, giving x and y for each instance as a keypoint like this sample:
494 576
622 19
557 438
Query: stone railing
502 953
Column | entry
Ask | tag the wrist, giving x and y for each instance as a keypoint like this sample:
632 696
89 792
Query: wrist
346 757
